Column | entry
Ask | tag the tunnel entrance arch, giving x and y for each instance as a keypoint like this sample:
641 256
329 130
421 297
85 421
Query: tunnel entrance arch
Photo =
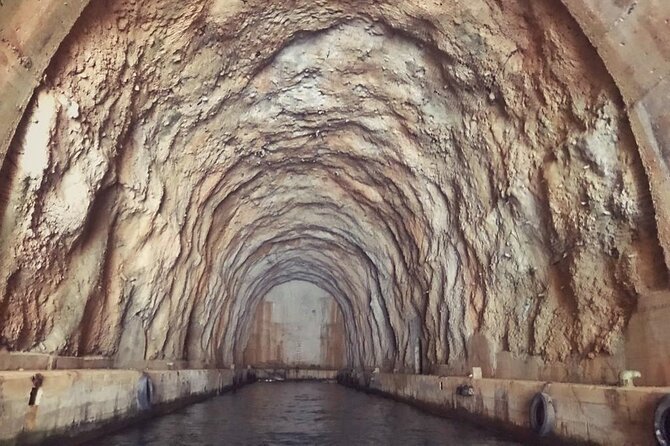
494 264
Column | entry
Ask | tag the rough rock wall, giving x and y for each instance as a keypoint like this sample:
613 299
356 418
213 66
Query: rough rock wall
447 172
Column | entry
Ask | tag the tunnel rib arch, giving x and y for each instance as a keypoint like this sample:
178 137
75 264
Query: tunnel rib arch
469 168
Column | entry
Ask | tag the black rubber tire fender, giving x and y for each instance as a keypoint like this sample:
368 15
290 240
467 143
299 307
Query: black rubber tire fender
662 421
542 414
145 390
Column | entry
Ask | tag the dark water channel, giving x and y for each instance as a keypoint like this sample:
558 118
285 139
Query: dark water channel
306 413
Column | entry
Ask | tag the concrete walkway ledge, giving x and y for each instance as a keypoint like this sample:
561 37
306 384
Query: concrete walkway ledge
67 407
585 414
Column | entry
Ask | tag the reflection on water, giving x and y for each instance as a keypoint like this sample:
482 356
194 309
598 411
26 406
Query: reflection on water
304 413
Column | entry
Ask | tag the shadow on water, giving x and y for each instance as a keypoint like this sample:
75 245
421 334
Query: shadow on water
294 413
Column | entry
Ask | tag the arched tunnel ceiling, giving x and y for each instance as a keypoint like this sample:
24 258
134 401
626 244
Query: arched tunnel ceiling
442 169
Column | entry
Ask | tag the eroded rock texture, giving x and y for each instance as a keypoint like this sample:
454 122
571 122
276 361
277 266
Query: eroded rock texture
444 170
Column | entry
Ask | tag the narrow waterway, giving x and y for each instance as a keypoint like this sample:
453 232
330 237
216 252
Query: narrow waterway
306 413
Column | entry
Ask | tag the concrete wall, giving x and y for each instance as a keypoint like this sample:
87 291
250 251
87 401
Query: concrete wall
77 401
296 374
647 346
297 325
603 415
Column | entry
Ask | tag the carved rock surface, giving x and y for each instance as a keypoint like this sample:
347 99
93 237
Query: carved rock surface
447 171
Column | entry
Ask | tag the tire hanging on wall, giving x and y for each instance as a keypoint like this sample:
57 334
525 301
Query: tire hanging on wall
542 414
145 390
662 421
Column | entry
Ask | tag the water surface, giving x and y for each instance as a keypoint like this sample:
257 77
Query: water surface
300 413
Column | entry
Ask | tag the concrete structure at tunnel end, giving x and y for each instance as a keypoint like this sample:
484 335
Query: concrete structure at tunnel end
471 188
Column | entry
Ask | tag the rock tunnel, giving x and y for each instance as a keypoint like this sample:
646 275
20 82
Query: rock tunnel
410 187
